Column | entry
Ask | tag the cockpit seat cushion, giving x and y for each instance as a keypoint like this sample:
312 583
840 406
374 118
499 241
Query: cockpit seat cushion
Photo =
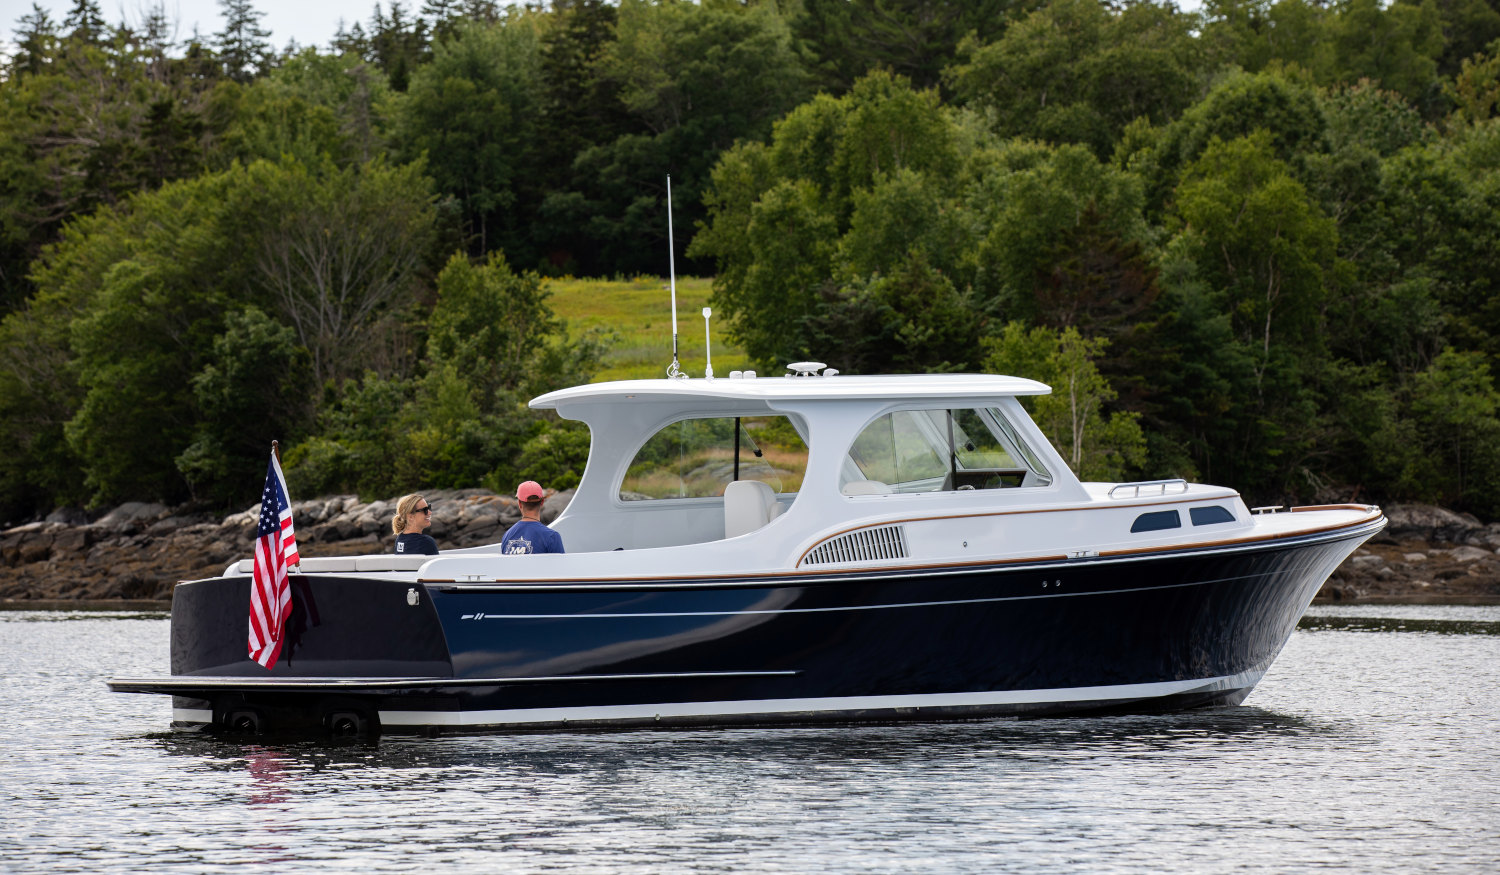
866 487
748 505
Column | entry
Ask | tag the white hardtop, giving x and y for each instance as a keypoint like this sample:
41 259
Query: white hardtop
902 387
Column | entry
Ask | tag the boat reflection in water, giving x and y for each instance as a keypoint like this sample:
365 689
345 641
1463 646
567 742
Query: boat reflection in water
818 548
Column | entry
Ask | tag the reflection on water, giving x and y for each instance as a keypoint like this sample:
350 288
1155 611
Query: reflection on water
1368 747
921 745
1398 624
1441 619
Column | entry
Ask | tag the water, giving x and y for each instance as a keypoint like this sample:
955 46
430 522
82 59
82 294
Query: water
1371 745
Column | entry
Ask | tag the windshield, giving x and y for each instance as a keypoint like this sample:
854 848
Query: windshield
943 449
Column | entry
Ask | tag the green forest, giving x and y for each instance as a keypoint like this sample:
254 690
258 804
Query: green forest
1254 244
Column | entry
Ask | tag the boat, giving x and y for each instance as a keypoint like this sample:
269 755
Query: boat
806 548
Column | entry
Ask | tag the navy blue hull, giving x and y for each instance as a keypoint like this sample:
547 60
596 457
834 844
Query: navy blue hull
1150 633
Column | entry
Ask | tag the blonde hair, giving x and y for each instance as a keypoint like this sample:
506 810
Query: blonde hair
403 510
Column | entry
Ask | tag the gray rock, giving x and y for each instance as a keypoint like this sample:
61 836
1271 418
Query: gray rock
1469 554
132 513
1429 523
168 526
556 504
69 516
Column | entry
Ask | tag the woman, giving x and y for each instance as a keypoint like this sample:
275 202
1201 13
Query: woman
413 514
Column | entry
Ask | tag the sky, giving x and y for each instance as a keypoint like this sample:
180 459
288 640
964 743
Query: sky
309 22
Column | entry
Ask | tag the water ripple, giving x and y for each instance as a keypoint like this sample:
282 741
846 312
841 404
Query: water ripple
1366 748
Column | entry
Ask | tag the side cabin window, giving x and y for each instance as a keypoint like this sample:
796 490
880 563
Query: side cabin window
1210 515
1156 522
940 450
697 458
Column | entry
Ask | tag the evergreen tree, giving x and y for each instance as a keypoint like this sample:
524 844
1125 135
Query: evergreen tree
155 38
487 11
915 38
243 45
398 43
441 16
36 41
351 41
85 22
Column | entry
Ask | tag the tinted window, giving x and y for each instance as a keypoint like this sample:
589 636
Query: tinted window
1155 522
1207 516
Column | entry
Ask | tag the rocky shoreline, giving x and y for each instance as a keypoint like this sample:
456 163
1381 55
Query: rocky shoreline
139 551
134 554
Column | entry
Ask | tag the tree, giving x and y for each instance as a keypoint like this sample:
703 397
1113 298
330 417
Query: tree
1260 240
131 301
36 42
312 107
254 387
473 111
487 323
338 247
580 108
1095 444
242 45
494 341
100 122
398 44
441 17
1476 88
1026 197
1258 35
1075 71
853 204
1457 409
1469 26
912 38
85 22
1239 105
694 79
910 321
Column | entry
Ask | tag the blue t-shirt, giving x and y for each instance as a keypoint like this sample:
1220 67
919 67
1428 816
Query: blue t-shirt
416 543
530 536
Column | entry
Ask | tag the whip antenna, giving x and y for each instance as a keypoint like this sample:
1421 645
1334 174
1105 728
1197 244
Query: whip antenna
673 370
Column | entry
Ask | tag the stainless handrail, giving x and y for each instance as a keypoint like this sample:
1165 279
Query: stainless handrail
1147 484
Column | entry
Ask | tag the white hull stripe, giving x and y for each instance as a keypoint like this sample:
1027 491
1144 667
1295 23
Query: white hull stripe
192 715
826 706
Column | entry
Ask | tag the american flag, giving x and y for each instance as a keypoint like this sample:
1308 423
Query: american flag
275 551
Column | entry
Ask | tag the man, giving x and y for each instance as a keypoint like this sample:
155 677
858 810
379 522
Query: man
529 535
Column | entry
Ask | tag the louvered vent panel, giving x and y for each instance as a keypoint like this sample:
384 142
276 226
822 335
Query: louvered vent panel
886 542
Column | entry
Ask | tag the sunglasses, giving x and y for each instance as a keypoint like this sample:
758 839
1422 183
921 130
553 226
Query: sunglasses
426 508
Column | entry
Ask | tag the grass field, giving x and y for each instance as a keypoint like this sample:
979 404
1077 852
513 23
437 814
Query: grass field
639 312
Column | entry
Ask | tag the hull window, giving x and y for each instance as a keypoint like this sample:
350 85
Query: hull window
1207 516
1155 522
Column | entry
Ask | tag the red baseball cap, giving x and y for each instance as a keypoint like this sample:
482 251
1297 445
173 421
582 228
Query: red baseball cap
530 491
